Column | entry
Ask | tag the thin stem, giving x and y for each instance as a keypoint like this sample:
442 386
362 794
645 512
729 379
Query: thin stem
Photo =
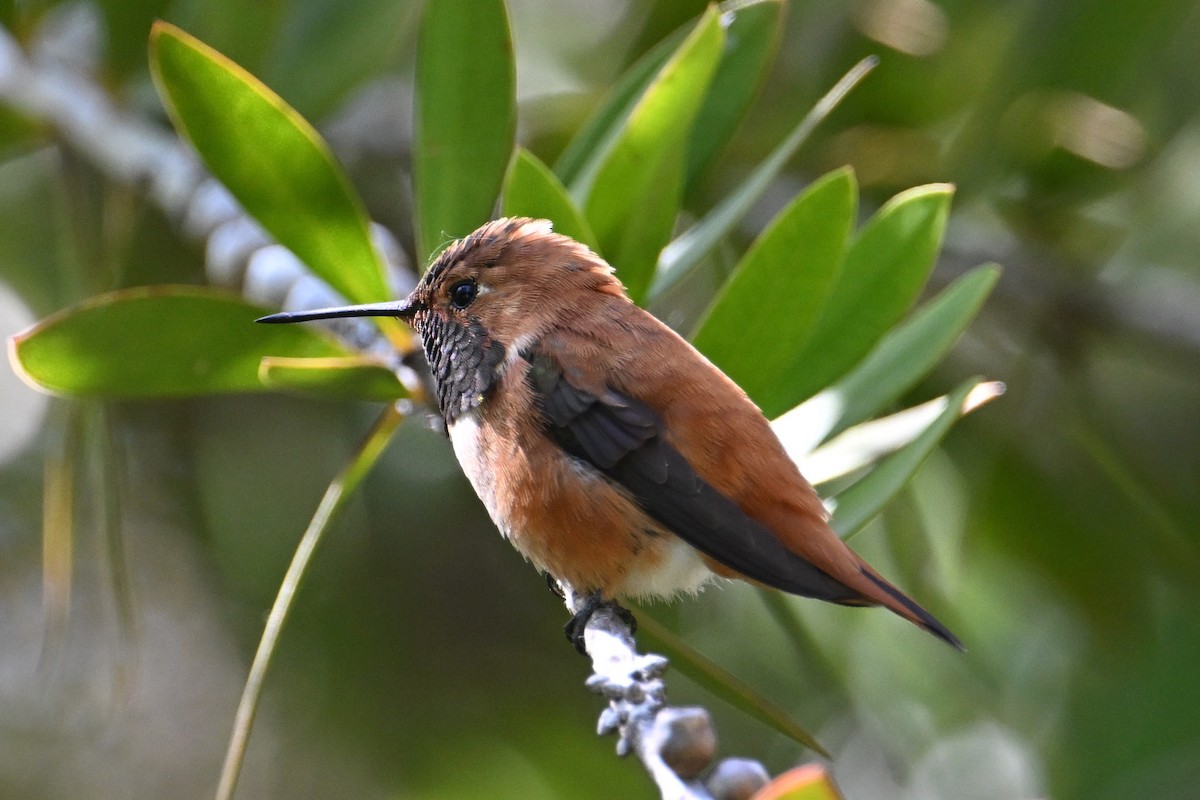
335 498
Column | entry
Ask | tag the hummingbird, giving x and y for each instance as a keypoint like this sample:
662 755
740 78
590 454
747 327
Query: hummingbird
610 452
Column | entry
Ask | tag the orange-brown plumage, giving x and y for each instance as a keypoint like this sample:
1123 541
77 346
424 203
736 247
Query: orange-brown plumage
613 454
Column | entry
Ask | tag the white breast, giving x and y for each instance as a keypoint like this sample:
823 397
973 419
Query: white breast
680 570
464 436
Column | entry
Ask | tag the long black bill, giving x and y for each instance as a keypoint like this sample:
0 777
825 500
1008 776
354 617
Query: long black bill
396 308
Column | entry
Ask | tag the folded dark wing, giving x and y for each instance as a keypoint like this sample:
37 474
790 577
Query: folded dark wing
621 437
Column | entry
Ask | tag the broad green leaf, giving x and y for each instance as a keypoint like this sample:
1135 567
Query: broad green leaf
273 162
328 511
865 443
862 501
909 351
584 153
885 268
904 355
632 201
683 253
160 341
532 190
806 782
751 39
722 683
766 312
350 377
464 117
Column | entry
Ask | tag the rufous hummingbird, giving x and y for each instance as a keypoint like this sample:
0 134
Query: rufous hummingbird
608 450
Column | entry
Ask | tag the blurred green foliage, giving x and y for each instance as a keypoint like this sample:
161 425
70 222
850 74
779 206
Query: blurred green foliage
1058 529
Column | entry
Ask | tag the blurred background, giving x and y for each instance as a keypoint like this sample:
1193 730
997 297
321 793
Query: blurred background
1057 531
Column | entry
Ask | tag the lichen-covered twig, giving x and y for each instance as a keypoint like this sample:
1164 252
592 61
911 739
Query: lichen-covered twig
675 745
52 85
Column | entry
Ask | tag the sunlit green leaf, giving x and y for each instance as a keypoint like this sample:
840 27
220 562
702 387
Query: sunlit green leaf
273 161
464 117
351 377
863 500
885 268
909 351
532 190
585 151
632 199
162 341
866 443
722 683
750 43
690 247
767 310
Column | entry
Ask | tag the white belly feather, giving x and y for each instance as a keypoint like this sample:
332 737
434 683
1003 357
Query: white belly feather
464 436
680 570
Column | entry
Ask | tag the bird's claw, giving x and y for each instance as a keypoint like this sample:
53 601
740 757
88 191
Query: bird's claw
577 625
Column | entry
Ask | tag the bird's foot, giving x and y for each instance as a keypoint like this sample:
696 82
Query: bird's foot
574 629
555 587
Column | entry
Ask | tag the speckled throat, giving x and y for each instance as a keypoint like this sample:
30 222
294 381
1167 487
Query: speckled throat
464 361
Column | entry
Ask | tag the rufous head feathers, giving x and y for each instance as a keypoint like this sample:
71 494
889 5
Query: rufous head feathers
512 276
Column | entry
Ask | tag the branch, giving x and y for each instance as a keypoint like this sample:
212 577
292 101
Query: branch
675 745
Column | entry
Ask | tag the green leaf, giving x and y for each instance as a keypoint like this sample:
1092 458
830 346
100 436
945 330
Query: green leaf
464 117
863 500
885 268
722 683
862 445
161 341
751 40
350 377
908 352
532 190
696 242
632 201
273 162
766 312
584 153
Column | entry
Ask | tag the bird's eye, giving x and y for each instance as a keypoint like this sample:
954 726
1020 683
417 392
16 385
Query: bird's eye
463 293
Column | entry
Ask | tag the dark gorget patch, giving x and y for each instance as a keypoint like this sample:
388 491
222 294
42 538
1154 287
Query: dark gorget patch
464 361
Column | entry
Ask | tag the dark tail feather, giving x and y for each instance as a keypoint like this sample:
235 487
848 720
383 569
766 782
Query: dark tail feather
915 613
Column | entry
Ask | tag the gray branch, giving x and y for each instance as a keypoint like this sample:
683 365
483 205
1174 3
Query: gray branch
53 84
675 745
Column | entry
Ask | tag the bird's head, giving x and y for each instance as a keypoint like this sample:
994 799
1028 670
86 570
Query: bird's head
511 278
485 297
